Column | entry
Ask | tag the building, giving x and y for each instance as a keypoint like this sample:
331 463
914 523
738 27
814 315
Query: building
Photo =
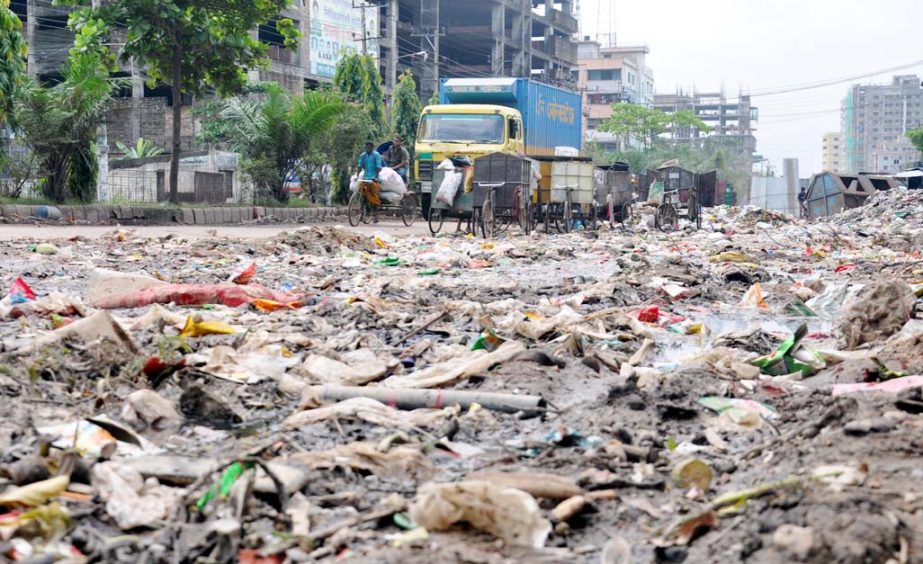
895 155
834 152
875 114
330 28
608 75
439 39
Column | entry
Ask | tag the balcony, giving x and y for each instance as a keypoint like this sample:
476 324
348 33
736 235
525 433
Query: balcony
557 47
565 22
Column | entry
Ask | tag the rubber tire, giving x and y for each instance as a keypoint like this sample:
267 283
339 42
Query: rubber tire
408 210
435 220
488 220
354 209
426 201
525 216
593 223
667 216
567 214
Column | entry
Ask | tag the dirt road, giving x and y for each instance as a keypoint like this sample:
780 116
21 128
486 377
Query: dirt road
14 232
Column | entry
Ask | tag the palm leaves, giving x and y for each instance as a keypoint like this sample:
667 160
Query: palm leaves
276 133
143 148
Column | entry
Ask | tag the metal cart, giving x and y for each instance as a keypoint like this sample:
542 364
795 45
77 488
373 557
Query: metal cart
461 209
573 196
613 186
502 193
673 207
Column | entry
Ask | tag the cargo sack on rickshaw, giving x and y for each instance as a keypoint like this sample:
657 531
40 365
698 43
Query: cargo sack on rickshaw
392 182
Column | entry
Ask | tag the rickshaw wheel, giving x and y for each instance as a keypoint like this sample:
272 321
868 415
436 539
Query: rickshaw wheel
435 220
354 209
626 213
666 218
408 210
488 220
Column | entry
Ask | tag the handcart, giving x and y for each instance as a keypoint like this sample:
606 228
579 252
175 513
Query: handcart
503 193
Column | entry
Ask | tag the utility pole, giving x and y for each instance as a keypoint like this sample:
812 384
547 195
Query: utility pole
102 148
365 40
428 28
392 44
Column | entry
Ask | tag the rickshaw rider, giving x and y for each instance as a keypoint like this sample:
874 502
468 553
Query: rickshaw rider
370 164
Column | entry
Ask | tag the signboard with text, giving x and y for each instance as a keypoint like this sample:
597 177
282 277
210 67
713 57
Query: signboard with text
336 29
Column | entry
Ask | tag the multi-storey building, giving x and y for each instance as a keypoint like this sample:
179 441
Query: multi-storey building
876 114
608 75
834 152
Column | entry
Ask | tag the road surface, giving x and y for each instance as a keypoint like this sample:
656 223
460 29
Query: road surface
51 232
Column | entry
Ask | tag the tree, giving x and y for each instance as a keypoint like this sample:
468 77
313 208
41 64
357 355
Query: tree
357 77
688 119
13 52
58 123
190 45
405 113
916 137
275 135
434 99
143 148
632 121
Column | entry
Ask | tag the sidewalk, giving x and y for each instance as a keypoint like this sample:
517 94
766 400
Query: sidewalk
137 215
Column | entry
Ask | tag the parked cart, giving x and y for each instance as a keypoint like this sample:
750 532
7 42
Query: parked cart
502 193
672 208
461 208
614 187
573 196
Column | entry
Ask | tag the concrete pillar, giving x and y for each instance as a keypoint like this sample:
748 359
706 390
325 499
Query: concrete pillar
393 51
32 68
498 29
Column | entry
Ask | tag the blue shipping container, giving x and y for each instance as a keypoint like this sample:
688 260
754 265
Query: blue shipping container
551 116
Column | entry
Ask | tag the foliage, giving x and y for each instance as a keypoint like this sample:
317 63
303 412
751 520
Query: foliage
633 121
143 148
916 137
13 52
20 171
434 99
58 123
405 113
189 45
276 133
357 78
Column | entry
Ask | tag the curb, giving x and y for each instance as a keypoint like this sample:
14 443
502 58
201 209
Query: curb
131 215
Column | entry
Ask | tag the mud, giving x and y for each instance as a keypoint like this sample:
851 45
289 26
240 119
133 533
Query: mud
623 394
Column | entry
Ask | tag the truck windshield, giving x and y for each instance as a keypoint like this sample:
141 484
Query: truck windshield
461 128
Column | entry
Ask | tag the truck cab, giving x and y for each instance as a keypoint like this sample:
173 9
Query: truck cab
472 130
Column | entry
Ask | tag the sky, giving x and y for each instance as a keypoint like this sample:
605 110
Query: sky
751 46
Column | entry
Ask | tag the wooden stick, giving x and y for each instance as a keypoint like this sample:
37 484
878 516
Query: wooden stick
404 398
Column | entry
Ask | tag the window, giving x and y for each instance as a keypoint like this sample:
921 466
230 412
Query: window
605 74
459 128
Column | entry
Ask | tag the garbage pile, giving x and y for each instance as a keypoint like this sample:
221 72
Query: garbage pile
749 392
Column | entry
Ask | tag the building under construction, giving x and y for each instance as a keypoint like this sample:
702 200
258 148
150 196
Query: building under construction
478 38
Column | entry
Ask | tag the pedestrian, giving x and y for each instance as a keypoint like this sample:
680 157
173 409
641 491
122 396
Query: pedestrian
802 201
398 157
370 164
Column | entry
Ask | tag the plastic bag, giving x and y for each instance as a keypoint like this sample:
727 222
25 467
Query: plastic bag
655 194
449 188
354 183
508 513
446 164
391 197
391 182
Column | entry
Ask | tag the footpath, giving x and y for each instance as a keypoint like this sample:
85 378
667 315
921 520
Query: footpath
138 215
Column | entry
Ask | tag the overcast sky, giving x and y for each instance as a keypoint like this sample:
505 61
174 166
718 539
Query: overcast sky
752 45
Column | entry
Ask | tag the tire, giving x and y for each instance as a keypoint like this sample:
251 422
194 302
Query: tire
695 212
488 220
525 215
593 223
667 218
355 209
408 210
435 220
425 203
626 213
568 214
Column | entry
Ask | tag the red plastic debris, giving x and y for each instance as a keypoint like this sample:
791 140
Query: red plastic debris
196 294
649 314
246 276
21 290
845 267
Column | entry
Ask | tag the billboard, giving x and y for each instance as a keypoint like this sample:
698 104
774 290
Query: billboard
336 28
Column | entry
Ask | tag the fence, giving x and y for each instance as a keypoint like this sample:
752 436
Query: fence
773 193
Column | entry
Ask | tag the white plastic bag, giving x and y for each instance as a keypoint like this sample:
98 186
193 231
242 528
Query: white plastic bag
446 164
391 181
354 184
449 188
391 197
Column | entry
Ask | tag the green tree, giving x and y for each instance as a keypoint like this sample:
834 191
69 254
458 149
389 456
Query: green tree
341 148
58 123
143 148
687 119
275 135
405 113
633 121
434 99
191 45
13 51
916 137
357 77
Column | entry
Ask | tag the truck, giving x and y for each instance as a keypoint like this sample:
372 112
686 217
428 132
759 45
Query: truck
479 116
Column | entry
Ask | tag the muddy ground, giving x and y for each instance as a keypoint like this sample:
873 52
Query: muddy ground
836 478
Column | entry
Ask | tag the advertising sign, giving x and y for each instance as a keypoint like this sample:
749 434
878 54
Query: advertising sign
336 29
